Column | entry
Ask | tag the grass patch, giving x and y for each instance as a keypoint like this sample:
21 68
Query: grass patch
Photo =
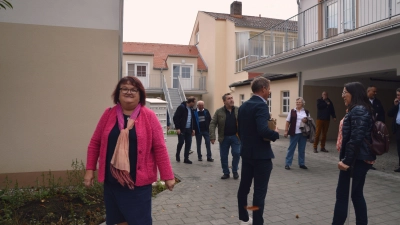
56 202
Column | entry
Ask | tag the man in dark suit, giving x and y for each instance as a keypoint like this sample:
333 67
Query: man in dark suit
256 153
395 113
379 112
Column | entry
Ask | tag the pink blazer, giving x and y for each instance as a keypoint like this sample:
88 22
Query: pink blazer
152 151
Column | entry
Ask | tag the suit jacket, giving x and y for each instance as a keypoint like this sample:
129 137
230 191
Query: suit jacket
393 113
253 127
379 112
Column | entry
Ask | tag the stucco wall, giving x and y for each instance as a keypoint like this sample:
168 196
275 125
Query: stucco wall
56 81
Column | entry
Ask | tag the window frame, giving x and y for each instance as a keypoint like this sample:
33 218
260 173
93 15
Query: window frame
283 98
269 100
241 97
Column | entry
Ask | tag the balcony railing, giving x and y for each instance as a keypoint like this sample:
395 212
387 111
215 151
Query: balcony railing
325 20
155 81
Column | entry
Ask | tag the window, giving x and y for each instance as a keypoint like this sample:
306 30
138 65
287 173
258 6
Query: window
348 15
241 99
184 72
242 50
269 102
197 37
285 102
137 69
332 19
279 43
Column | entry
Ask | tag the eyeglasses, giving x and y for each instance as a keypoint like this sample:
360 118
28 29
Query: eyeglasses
126 90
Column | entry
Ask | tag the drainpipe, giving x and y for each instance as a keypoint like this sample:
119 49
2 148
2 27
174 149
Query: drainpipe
120 44
300 81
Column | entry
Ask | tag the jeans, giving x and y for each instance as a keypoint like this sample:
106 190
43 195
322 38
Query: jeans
357 196
184 137
206 136
322 130
234 143
260 170
294 140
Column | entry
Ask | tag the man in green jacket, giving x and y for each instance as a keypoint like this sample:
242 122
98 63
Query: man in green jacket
225 118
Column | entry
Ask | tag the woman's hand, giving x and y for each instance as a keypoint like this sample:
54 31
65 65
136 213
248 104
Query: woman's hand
285 134
89 178
342 166
170 184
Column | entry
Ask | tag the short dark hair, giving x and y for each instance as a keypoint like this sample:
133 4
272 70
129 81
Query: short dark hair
190 99
136 83
358 95
224 96
371 86
259 83
398 90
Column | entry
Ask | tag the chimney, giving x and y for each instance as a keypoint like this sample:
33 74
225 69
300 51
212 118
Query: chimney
236 8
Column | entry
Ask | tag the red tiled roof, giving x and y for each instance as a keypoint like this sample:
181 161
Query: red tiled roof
162 51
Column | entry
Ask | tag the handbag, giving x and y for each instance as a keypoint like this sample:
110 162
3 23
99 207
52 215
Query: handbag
271 126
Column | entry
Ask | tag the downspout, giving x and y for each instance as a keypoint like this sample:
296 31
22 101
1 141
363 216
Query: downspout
300 83
121 32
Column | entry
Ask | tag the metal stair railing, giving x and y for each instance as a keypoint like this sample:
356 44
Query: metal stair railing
170 108
181 91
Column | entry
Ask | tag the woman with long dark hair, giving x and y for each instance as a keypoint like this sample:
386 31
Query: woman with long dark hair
355 156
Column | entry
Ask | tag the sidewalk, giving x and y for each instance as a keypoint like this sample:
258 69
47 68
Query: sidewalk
203 198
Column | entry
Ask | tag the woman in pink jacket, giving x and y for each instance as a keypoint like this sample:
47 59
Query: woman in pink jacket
129 146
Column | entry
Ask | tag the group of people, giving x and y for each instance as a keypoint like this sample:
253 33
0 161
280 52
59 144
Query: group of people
129 147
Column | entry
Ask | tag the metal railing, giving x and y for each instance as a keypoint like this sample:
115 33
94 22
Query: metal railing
327 19
181 91
167 96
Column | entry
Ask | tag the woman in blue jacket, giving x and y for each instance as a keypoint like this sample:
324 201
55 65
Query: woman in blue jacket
355 155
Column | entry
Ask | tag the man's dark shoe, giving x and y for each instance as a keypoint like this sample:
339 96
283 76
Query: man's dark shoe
200 159
324 150
303 167
373 168
398 169
210 160
178 159
225 176
287 168
315 150
235 175
187 161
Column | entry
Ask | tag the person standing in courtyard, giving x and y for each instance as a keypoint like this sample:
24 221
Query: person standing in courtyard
395 113
184 125
325 111
356 157
256 153
128 144
293 121
201 127
225 118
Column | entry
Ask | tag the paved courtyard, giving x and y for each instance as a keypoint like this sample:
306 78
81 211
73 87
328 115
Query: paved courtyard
296 196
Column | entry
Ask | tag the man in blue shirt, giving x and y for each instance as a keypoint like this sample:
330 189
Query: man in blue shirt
184 125
395 113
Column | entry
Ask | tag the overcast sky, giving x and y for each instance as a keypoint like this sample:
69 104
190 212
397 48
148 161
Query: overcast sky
172 21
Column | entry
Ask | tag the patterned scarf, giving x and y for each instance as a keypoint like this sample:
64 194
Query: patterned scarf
120 166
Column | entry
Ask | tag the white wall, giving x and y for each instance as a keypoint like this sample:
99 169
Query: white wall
96 14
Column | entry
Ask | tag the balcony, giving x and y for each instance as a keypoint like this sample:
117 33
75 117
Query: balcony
153 83
328 23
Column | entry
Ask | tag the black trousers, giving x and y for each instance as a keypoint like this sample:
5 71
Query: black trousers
398 141
184 138
260 170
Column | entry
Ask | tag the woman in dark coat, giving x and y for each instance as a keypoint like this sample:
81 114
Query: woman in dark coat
355 155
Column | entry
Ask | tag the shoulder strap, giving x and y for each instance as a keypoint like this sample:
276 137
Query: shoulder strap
307 112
